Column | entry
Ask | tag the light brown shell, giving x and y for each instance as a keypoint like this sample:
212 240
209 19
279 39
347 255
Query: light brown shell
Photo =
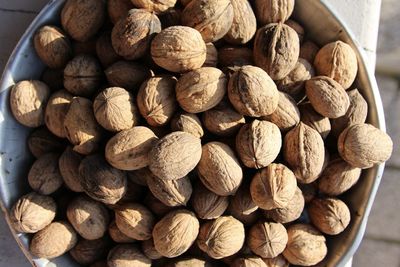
306 245
28 101
221 237
207 204
156 100
249 261
104 50
88 251
116 234
212 56
175 155
156 6
127 256
189 262
230 56
278 261
45 245
297 27
338 61
219 169
268 239
242 206
41 141
81 126
212 18
270 11
32 212
187 122
83 19
258 143
68 164
117 9
172 193
244 23
201 89
276 49
56 109
252 92
44 176
315 120
308 51
363 145
150 251
175 233
304 151
52 46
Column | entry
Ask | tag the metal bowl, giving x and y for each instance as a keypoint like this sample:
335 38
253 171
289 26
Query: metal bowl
321 24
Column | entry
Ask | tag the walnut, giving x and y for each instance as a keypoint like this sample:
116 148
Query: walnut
212 56
269 11
242 206
175 233
190 262
83 75
221 237
249 261
44 176
132 35
187 122
127 256
150 251
56 109
157 6
191 54
315 120
207 204
308 51
116 234
306 246
117 9
156 100
156 206
68 164
104 49
41 141
140 176
276 49
252 92
32 212
212 18
175 155
230 56
28 101
101 181
201 89
267 240
45 245
88 251
278 261
52 46
171 192
258 143
219 169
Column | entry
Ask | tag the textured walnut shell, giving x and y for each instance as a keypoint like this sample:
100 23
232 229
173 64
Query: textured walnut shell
126 74
68 164
189 262
150 251
117 9
286 115
267 240
297 27
83 75
278 261
45 245
303 150
88 251
44 176
41 141
156 6
179 49
258 143
28 101
116 234
221 237
201 89
81 126
252 92
212 56
88 217
156 206
338 61
363 145
175 233
308 51
101 181
244 23
52 46
249 261
212 18
104 49
175 155
207 204
315 120
32 212
56 109
132 35
306 245
156 100
356 113
187 122
242 206
231 56
127 256
171 192
269 11
219 169
140 176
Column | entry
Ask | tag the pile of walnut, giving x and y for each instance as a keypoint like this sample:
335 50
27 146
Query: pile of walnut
228 140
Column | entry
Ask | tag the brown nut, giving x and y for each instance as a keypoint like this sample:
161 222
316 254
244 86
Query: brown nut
278 261
315 120
249 261
41 141
56 109
189 262
117 9
187 122
156 206
212 56
44 176
88 251
156 6
297 27
140 176
150 251
269 11
104 49
127 256
171 17
230 56
242 206
207 204
68 164
267 240
172 193
308 51
116 234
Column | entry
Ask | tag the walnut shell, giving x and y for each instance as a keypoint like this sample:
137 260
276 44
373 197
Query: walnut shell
156 6
83 75
175 233
297 27
201 89
68 164
32 212
212 18
101 181
269 11
81 126
267 240
212 56
140 176
190 262
44 176
252 92
52 46
150 251
175 155
306 246
249 261
338 61
363 145
28 101
156 100
132 35
170 192
231 56
104 49
308 51
304 151
242 206
41 141
187 122
207 204
56 109
258 143
117 9
315 120
276 49
116 234
219 169
221 237
127 256
156 206
179 49
278 261
88 251
45 245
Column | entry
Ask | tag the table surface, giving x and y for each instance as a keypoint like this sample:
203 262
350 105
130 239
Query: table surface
361 16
